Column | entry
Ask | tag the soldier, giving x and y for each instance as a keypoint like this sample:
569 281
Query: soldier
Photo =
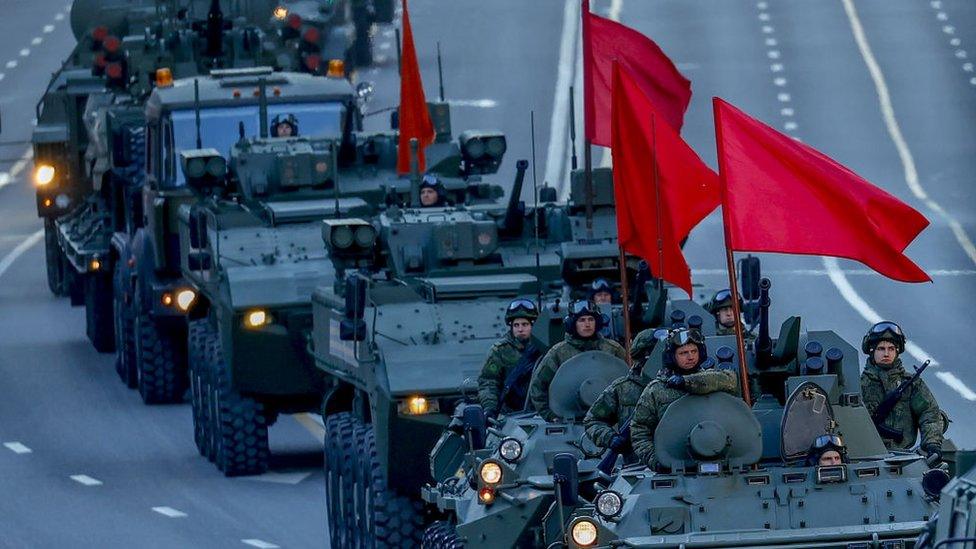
431 192
721 308
607 421
601 292
827 450
284 126
582 326
505 376
682 374
916 411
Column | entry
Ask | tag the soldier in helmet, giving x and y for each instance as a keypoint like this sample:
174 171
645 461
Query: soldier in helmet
721 308
284 126
607 421
827 450
504 378
582 326
432 192
601 292
682 374
917 411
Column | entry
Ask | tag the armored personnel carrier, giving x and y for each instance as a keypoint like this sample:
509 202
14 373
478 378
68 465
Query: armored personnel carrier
954 525
734 475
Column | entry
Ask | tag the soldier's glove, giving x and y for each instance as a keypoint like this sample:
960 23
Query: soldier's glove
676 382
933 453
620 443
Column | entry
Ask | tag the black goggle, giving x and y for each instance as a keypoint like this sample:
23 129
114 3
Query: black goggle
887 326
685 336
722 295
600 285
524 304
824 441
580 306
661 334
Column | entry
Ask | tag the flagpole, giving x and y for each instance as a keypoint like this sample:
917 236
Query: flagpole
733 285
587 93
657 199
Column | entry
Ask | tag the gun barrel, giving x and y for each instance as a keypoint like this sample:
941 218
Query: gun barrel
764 345
512 223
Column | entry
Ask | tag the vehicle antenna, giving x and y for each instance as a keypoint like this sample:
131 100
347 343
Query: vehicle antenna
263 107
440 72
535 214
399 68
572 127
196 110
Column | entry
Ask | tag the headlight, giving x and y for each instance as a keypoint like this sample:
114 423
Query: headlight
609 503
280 13
217 166
496 146
342 237
94 265
365 236
475 148
256 318
510 449
491 472
196 167
44 175
185 298
584 533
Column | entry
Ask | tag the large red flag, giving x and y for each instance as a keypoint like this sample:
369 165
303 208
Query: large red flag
784 196
686 189
606 41
414 116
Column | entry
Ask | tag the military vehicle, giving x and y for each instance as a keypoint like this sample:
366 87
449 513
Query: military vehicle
954 525
735 475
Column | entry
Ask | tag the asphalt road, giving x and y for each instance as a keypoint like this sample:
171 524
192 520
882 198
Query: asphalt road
138 480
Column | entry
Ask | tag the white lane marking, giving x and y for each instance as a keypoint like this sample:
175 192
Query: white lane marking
260 544
857 302
771 42
894 130
86 480
776 67
616 6
280 478
779 81
559 122
17 448
383 46
948 29
59 17
786 111
941 16
7 177
783 97
9 259
937 4
476 103
764 16
36 41
169 512
790 126
845 272
967 67
48 29
25 52
312 424
955 42
956 384
961 54
773 54
768 29
11 64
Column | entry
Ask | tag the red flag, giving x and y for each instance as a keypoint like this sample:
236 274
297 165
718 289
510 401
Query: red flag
687 190
784 196
605 41
414 116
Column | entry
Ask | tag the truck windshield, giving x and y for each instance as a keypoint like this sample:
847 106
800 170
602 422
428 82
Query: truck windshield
219 126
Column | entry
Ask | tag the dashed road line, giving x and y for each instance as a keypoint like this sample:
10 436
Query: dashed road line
86 480
7 177
17 448
36 41
894 130
169 512
957 385
9 259
48 29
25 52
11 64
475 103
260 544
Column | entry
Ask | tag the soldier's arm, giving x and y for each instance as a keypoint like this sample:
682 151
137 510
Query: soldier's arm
601 418
926 409
617 350
490 382
870 394
711 381
539 389
642 427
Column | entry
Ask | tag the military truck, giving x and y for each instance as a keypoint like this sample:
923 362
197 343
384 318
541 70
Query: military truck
734 475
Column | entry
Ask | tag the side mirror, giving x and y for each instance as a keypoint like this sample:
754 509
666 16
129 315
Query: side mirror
750 273
199 261
353 327
475 425
565 476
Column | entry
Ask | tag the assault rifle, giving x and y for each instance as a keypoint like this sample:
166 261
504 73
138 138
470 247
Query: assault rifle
606 464
888 404
515 387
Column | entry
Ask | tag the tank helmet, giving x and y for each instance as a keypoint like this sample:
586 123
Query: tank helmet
521 308
825 443
284 119
883 331
578 309
721 299
599 285
679 338
431 181
645 341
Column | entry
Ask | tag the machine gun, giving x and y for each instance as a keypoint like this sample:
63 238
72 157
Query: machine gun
888 404
606 464
514 388
764 345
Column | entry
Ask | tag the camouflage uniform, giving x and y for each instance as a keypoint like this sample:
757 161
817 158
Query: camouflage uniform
723 331
916 411
560 353
613 408
656 398
502 357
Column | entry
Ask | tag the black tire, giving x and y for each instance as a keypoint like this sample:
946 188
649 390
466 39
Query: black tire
197 362
54 259
340 453
441 535
99 320
125 339
389 520
239 422
160 360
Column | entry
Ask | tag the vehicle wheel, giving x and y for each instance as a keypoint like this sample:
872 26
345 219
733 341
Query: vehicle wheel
389 520
441 535
125 344
340 453
74 286
196 362
160 360
99 321
54 259
241 429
